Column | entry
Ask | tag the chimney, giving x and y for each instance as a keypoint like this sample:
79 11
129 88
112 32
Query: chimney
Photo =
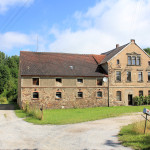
132 41
117 45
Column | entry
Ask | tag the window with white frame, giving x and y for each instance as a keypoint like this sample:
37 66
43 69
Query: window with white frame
140 76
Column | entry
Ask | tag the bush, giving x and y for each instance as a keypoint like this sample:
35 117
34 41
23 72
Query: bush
3 100
141 100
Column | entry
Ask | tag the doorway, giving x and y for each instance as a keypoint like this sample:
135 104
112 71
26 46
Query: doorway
130 99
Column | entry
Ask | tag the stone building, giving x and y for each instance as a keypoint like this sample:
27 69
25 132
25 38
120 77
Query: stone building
59 80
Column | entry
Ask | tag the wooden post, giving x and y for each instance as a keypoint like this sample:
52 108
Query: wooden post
42 112
145 124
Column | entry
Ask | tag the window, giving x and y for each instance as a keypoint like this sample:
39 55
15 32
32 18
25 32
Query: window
99 81
133 60
140 93
118 62
128 76
58 80
35 81
140 76
148 76
58 95
80 80
99 94
138 61
118 95
149 63
118 76
35 95
149 93
80 94
129 60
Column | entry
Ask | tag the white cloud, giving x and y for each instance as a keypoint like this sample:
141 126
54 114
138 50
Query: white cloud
6 4
107 23
11 40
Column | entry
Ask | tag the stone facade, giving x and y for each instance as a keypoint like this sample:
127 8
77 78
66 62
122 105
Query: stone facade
69 86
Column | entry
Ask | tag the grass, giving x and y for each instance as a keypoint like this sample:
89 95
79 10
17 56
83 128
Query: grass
133 136
69 116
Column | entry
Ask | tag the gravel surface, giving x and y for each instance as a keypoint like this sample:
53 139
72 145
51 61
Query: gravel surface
93 135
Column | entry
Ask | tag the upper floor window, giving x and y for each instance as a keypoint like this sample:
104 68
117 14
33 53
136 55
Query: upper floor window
137 60
129 60
99 81
149 63
128 76
134 60
118 76
35 81
99 94
148 76
36 95
118 95
80 80
118 62
59 80
140 93
140 76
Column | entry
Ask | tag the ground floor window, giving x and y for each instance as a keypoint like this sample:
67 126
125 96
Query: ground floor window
140 93
35 94
149 93
80 94
99 94
58 95
118 95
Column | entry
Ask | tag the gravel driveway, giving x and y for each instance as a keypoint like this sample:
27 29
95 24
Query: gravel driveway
94 135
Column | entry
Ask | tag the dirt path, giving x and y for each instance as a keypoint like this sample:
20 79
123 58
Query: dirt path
95 135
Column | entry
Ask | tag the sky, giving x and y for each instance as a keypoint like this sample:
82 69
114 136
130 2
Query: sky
72 26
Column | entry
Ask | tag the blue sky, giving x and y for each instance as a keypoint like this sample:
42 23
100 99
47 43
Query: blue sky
80 26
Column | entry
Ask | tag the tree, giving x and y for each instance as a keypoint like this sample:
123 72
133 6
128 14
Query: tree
147 50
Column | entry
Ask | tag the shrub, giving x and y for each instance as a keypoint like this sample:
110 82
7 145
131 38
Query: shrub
3 100
136 100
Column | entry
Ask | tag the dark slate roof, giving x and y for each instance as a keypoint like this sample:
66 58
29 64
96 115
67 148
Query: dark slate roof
110 54
60 64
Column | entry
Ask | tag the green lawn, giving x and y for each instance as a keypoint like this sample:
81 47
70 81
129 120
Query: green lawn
133 136
69 116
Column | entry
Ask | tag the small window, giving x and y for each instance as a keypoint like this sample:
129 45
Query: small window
149 63
35 95
80 80
99 94
99 81
148 76
140 76
118 95
118 76
128 76
138 61
58 95
118 62
148 92
140 93
133 60
129 60
59 80
35 81
80 94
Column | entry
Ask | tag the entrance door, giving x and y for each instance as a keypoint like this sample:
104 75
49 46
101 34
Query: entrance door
130 99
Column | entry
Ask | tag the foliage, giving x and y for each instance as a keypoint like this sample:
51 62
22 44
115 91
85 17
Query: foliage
33 110
147 50
8 77
67 116
133 135
141 100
